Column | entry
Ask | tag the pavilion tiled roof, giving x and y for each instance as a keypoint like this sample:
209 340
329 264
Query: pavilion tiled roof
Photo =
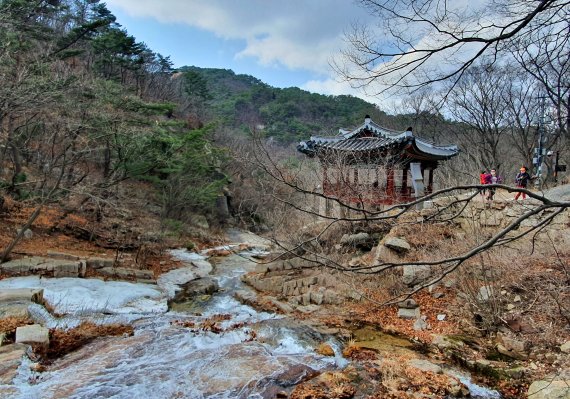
360 144
382 138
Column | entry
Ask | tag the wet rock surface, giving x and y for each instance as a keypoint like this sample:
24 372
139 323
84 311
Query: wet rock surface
11 357
194 288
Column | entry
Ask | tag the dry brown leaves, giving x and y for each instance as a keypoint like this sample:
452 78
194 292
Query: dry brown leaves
8 325
387 316
63 342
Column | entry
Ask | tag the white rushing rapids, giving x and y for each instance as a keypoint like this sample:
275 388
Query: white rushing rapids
164 358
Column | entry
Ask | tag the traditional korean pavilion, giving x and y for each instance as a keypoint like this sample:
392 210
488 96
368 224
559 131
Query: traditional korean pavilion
372 165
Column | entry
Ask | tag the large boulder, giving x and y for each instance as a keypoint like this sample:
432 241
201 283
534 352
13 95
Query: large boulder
512 347
549 389
171 281
359 240
415 274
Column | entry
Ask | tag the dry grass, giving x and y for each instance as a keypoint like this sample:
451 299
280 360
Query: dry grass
355 352
8 326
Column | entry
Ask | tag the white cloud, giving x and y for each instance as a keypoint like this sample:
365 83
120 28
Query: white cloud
300 34
297 34
334 87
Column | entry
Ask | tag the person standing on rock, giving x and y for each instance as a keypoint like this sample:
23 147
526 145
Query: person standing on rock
494 178
484 178
521 181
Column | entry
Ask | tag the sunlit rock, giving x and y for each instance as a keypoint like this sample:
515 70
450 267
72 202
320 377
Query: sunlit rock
34 334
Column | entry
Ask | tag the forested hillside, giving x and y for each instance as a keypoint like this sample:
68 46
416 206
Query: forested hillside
85 107
288 115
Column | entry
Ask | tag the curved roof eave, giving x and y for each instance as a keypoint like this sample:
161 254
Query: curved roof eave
439 151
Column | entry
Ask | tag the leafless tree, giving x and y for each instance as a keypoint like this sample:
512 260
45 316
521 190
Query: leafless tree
496 110
449 204
420 42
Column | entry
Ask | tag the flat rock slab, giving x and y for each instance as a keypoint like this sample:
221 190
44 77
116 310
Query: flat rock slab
44 266
18 294
14 309
61 255
397 244
242 236
425 365
34 334
88 296
196 262
548 389
11 357
14 302
127 274
411 314
98 263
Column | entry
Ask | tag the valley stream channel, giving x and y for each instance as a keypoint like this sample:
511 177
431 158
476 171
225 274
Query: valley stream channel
250 353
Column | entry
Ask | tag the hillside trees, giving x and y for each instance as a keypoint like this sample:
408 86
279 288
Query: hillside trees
83 107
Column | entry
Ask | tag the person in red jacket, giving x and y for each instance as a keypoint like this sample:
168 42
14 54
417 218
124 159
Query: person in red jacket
484 178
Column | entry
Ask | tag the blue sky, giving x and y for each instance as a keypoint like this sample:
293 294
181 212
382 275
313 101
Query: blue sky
283 43
188 45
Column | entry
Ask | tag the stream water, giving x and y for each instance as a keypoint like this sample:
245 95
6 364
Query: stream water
167 358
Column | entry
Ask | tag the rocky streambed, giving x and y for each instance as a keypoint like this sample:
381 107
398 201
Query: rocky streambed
192 338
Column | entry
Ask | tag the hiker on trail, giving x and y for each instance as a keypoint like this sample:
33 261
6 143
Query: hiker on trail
494 179
521 181
484 178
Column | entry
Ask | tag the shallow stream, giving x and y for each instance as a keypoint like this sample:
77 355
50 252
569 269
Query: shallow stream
256 354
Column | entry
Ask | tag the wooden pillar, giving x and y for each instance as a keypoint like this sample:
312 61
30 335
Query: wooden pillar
355 176
377 183
430 180
325 180
404 191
